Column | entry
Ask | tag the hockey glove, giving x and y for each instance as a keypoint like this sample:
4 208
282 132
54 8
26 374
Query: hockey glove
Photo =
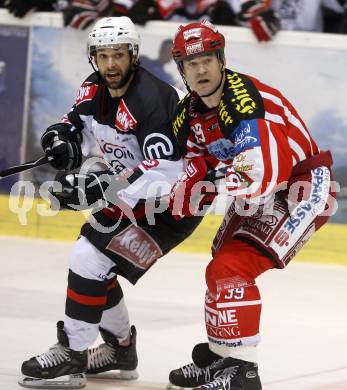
80 14
221 13
62 145
97 190
76 191
143 11
20 8
187 198
261 18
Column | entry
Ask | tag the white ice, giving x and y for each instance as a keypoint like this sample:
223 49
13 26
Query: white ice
304 318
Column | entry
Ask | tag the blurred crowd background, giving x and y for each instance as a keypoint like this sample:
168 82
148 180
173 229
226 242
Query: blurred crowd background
264 17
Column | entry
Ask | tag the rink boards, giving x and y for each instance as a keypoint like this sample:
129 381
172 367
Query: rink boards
32 218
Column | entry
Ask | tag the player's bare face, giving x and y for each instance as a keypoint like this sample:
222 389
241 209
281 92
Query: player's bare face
114 65
203 73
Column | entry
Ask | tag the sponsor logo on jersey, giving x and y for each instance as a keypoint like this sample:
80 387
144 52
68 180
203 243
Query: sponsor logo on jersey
116 155
246 136
118 151
149 164
124 119
156 146
135 245
222 149
224 114
86 92
244 104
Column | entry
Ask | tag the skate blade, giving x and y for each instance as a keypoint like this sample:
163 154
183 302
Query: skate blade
126 375
73 381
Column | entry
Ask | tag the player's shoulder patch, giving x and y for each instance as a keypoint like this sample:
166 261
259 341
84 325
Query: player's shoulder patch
88 89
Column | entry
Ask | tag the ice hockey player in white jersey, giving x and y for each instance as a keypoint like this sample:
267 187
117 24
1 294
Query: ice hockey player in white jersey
127 113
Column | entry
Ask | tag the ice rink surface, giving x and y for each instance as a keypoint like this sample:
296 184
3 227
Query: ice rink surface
304 318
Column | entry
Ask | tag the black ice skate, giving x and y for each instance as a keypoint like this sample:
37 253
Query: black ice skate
46 370
234 374
210 371
197 373
112 361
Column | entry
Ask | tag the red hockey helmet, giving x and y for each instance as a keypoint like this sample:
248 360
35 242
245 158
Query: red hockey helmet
195 39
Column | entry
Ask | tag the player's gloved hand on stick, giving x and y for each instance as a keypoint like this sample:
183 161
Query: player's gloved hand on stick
97 190
187 197
261 18
20 8
62 145
76 191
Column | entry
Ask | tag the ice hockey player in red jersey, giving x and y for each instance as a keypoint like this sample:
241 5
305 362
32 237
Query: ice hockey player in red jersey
126 113
280 183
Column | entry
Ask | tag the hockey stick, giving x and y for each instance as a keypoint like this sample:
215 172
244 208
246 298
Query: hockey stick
24 167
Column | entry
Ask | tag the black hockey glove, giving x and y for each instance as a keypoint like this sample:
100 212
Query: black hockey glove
62 144
20 8
95 190
80 14
143 11
76 191
261 18
221 13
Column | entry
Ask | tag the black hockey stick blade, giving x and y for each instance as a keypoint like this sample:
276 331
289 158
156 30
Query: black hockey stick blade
24 167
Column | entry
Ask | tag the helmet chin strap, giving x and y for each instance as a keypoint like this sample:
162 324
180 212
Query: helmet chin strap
219 84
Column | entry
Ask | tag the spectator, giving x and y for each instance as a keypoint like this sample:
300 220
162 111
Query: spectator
20 8
140 12
266 17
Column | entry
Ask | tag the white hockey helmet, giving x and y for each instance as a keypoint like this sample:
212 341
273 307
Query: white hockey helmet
113 31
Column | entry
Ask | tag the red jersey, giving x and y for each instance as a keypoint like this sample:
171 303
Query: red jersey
254 128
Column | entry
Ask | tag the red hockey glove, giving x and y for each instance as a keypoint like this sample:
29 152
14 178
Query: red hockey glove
262 19
186 199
